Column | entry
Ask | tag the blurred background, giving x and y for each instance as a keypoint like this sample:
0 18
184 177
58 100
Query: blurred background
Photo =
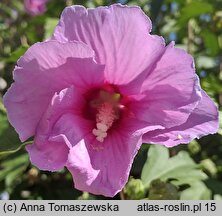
191 171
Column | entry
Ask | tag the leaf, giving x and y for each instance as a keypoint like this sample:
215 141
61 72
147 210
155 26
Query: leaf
211 42
50 24
15 55
139 160
12 167
181 168
205 62
217 197
214 185
160 190
193 9
169 27
211 84
9 141
197 191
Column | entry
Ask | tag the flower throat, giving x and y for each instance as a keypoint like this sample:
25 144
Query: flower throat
104 107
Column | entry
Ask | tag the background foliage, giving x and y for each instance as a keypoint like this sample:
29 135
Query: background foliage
191 171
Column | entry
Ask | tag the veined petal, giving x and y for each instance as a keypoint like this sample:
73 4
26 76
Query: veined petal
45 156
51 146
51 54
104 170
67 101
47 68
120 37
171 91
202 121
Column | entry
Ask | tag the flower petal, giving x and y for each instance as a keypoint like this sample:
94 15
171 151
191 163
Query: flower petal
46 68
51 155
35 7
103 170
202 121
67 101
120 37
91 162
171 91
51 146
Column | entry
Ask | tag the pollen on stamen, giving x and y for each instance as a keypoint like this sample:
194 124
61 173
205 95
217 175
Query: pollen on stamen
104 118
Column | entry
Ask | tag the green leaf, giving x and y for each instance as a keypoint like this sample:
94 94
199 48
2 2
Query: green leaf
211 84
12 167
169 26
211 42
205 62
160 190
217 197
214 185
193 9
180 168
9 141
15 55
197 191
50 24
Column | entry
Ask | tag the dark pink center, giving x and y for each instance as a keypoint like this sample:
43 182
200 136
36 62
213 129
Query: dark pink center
105 106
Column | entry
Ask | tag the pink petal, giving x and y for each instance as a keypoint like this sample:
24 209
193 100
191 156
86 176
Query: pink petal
120 37
103 171
46 68
103 168
35 7
170 92
67 101
51 146
50 151
52 54
51 155
202 121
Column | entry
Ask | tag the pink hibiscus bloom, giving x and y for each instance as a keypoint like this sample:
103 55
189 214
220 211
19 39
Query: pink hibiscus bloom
99 88
35 7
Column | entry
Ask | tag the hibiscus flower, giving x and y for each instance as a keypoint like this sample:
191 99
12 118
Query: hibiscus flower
99 88
35 7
